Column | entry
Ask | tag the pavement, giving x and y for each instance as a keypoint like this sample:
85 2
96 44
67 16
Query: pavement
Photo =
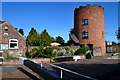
18 72
99 68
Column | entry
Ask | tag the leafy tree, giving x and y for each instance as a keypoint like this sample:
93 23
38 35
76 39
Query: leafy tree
21 31
118 33
60 40
70 41
53 40
114 43
33 38
72 31
82 50
45 38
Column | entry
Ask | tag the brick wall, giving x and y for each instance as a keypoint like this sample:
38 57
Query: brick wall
12 34
16 61
0 34
95 27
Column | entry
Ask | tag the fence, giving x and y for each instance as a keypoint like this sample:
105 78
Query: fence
47 74
63 69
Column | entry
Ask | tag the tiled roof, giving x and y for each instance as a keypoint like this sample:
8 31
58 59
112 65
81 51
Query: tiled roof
74 38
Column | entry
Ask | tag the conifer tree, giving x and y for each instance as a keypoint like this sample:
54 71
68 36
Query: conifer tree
70 41
118 33
33 38
21 31
45 38
60 40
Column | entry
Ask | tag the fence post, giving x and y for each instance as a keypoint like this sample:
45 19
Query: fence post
41 64
61 74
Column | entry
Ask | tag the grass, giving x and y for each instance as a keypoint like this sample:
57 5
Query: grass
9 57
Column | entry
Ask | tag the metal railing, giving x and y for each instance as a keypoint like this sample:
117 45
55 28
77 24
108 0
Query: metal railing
63 69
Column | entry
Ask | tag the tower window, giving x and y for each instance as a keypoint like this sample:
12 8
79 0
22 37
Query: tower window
85 35
13 44
84 22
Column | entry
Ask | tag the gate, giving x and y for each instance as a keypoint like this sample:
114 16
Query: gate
97 51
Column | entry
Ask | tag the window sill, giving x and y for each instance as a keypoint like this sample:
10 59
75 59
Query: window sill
84 25
85 38
13 48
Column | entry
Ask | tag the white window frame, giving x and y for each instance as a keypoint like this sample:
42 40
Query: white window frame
6 34
13 42
6 27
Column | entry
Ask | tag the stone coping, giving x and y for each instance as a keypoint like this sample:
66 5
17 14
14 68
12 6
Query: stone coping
16 61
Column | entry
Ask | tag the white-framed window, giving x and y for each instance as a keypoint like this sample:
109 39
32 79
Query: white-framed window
6 34
6 28
13 44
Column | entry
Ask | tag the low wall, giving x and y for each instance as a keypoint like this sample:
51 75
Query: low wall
16 61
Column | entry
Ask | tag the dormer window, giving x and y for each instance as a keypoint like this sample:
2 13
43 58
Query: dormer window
13 44
6 28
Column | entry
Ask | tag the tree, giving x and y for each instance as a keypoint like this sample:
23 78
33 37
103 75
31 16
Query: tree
33 38
72 31
70 41
60 40
118 33
21 31
45 38
114 43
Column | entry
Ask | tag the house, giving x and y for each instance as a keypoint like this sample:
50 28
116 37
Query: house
11 41
111 48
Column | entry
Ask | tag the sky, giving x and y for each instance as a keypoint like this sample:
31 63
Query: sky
56 17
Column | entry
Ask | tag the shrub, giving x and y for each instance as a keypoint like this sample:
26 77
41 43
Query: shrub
117 51
81 51
68 50
60 54
34 53
48 52
57 48
8 56
27 54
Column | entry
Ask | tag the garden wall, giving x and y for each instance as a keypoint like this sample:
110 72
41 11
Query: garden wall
16 61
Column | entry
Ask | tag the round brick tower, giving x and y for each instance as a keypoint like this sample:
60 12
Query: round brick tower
89 28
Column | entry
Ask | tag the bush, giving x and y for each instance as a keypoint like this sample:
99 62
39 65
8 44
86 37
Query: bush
34 53
81 51
27 54
8 56
118 51
57 48
68 51
48 52
51 51
60 54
